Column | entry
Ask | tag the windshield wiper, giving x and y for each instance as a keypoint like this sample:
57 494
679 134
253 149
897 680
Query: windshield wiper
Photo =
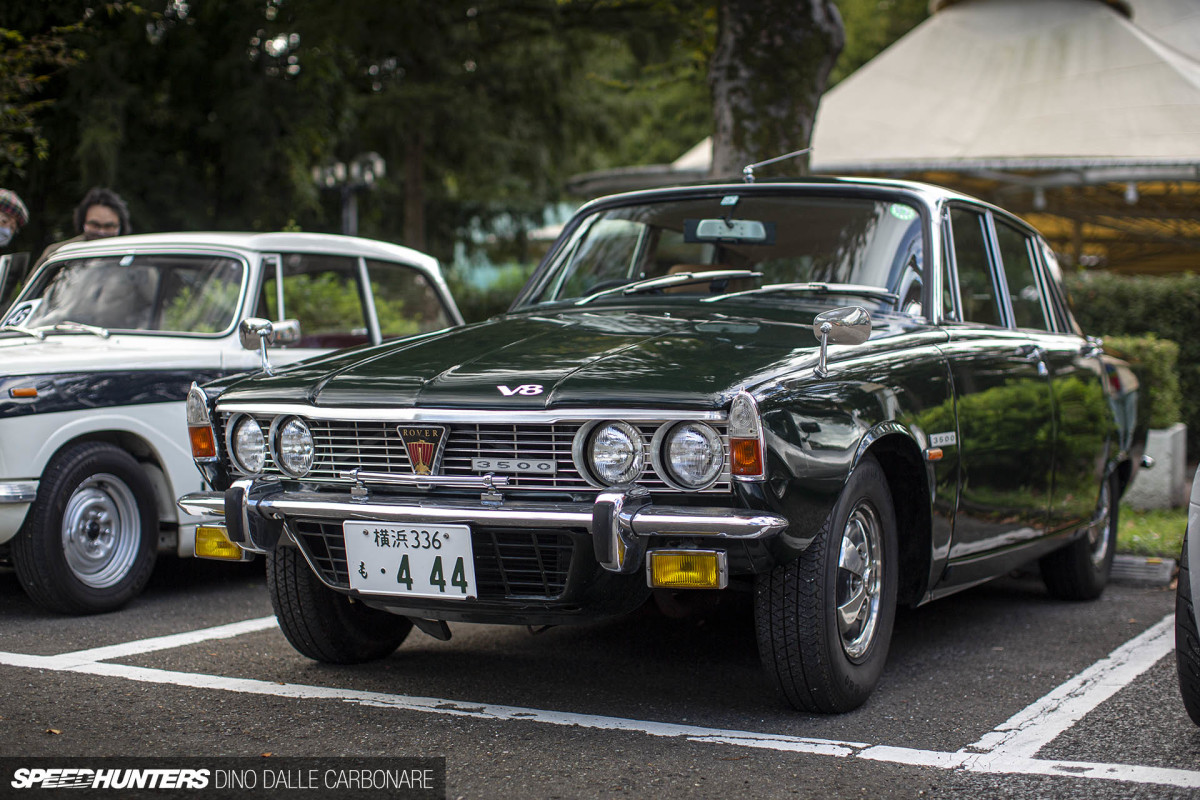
665 281
39 335
815 287
69 327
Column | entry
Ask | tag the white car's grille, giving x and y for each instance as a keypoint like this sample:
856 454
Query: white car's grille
376 446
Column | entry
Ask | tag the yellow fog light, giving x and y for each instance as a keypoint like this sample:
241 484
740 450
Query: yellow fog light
687 569
213 542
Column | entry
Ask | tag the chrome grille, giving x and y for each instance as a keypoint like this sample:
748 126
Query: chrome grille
375 446
508 564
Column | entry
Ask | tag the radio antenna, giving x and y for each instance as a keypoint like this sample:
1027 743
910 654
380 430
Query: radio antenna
748 170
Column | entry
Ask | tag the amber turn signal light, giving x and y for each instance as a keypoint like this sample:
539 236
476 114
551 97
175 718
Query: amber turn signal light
746 457
204 445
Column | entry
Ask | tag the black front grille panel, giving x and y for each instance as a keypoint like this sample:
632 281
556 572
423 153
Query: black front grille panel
508 564
375 446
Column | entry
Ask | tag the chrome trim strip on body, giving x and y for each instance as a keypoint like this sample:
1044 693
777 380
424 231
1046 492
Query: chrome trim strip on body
487 481
489 415
649 520
23 492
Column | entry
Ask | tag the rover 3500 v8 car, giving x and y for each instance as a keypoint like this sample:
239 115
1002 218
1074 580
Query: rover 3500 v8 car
833 395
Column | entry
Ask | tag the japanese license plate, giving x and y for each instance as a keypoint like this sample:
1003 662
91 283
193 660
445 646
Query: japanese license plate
410 560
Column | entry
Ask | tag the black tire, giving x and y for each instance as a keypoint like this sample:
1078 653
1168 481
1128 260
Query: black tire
815 663
1187 640
90 539
1080 570
323 624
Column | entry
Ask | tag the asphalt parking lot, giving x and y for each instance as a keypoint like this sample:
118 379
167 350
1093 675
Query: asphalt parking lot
997 692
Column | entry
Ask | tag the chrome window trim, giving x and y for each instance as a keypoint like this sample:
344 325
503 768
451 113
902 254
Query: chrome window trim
490 415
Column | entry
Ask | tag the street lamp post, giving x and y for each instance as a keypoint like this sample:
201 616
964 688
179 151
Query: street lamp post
361 173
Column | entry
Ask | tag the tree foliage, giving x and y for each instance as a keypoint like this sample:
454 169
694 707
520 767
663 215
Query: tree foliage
212 114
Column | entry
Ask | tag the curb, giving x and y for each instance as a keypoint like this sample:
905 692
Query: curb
1142 570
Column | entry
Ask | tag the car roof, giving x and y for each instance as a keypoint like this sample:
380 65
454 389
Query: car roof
928 191
324 243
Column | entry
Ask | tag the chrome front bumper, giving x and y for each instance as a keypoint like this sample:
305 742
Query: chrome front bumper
619 520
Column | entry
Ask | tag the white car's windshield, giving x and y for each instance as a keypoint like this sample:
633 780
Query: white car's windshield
768 244
148 292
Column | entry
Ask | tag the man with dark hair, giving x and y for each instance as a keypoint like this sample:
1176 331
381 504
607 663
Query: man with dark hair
100 214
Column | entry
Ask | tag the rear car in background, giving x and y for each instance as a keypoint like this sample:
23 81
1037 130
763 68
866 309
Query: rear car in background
833 396
96 356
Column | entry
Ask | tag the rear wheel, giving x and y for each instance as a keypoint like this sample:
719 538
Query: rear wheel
90 539
824 620
1080 570
323 624
1187 640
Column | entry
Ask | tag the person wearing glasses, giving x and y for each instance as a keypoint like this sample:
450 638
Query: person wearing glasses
100 214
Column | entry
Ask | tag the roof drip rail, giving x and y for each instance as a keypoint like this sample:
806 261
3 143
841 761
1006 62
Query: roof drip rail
748 170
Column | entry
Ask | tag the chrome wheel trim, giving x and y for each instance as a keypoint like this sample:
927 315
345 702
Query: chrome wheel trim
859 581
101 531
1099 533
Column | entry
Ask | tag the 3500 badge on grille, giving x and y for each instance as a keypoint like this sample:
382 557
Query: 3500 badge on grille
410 560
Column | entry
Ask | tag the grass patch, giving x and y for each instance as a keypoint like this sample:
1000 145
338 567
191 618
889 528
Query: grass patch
1158 532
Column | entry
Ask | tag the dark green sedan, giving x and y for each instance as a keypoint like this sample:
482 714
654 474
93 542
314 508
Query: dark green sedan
835 396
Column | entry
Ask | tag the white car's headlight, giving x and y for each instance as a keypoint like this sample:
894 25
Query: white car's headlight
617 452
693 454
249 446
294 448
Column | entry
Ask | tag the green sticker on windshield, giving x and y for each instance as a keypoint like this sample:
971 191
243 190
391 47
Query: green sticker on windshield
901 211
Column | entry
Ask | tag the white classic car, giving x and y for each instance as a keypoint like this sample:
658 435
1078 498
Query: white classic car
96 356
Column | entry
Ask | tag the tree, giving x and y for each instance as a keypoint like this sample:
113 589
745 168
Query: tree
768 72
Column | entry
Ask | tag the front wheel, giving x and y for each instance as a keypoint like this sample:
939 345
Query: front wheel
824 620
1080 570
89 541
323 624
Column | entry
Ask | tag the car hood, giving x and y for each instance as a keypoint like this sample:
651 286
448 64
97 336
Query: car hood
552 361
82 352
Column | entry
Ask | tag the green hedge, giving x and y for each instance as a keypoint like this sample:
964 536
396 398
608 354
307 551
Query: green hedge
1156 362
1116 307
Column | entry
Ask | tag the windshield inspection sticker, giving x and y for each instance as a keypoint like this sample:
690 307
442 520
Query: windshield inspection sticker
943 439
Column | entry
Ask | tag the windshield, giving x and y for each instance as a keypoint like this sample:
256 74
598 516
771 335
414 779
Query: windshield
175 293
803 242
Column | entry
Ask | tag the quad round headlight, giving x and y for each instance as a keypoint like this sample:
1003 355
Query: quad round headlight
294 448
693 454
616 453
249 445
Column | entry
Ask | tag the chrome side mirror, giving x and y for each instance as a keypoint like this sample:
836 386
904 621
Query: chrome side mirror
847 325
255 333
285 332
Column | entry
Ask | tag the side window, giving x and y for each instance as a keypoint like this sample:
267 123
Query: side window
324 293
405 302
975 285
1017 256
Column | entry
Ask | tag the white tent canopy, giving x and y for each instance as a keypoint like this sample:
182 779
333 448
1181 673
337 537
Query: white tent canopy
1012 84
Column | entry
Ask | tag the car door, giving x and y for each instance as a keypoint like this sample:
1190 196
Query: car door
1084 426
1003 402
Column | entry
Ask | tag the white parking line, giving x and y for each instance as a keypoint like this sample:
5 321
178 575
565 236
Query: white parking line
1009 749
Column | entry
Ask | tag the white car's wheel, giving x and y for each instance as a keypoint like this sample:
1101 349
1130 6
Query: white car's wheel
89 541
1187 640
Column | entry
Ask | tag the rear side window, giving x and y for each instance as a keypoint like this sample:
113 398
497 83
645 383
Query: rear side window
975 286
1016 252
